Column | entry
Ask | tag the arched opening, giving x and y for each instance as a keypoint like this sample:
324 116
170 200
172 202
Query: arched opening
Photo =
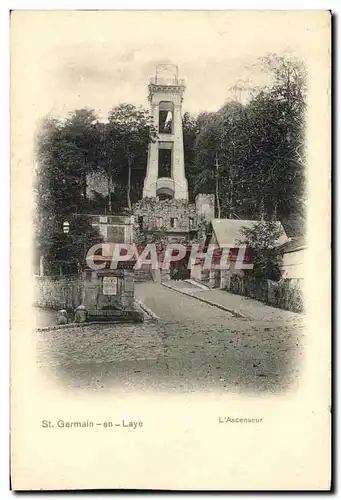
165 193
164 196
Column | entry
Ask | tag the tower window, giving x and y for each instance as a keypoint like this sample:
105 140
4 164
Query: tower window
140 221
166 112
165 122
165 163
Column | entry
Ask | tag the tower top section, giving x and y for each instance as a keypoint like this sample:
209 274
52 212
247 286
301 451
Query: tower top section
166 80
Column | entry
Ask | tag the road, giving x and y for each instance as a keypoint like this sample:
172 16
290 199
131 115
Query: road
193 346
170 306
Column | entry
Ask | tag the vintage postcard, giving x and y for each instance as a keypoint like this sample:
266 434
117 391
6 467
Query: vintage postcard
170 250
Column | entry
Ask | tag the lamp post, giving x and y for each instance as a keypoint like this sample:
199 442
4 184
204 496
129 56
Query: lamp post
66 227
66 230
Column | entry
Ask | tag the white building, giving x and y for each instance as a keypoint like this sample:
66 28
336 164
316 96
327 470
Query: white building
293 257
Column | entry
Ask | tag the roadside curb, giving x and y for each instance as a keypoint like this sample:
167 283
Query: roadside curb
206 301
146 309
197 284
89 323
75 325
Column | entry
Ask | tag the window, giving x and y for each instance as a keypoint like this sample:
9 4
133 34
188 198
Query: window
173 222
166 117
165 122
165 163
159 222
191 222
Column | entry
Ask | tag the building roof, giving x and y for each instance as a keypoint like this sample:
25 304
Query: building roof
230 230
294 245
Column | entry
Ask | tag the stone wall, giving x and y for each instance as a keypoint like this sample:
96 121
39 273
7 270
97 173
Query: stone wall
157 214
71 291
58 292
285 294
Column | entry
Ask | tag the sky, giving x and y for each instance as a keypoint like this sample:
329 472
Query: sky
98 59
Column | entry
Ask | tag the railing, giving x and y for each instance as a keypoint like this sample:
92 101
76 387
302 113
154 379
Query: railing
156 80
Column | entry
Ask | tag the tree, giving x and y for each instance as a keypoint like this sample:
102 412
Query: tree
218 152
208 146
262 239
81 139
190 131
107 157
232 154
132 130
276 118
252 156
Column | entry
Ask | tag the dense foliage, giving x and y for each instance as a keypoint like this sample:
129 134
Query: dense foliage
263 238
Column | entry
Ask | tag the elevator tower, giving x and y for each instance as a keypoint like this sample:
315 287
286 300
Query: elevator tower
165 177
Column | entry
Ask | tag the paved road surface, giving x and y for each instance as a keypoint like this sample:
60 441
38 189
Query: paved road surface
171 306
